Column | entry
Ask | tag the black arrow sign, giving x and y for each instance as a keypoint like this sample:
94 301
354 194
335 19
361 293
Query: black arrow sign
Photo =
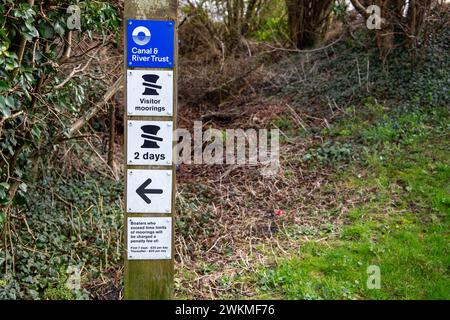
142 191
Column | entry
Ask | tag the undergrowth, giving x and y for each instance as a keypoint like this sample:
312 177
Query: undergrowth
72 226
402 228
387 143
400 223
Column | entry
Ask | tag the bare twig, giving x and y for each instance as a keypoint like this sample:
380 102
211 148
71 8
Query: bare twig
74 71
107 96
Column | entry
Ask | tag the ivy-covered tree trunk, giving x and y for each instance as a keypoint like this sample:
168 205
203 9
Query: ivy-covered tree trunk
396 28
241 19
307 21
415 20
235 14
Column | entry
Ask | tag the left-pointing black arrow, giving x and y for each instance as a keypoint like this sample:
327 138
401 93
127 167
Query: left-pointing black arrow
142 191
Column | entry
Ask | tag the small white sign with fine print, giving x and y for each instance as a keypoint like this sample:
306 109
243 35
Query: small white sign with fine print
149 238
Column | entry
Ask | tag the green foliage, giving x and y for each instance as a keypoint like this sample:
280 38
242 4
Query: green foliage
401 227
61 291
284 123
401 176
409 243
83 231
340 9
39 114
50 234
274 29
99 17
410 258
190 223
331 152
357 75
413 105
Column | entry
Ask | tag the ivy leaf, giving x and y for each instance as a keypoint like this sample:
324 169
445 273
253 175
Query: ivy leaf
46 31
4 86
30 32
4 185
23 187
59 29
10 64
3 107
3 198
36 132
10 101
3 47
29 76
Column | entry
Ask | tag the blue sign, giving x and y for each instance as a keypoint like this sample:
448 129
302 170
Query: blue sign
150 43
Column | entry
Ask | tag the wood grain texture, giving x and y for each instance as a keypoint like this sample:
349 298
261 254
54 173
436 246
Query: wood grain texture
150 279
151 9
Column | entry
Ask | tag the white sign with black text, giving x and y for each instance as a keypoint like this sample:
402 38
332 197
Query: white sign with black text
150 92
149 238
149 142
149 191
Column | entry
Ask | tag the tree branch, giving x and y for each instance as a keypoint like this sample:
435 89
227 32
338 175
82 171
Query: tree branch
74 71
107 96
360 8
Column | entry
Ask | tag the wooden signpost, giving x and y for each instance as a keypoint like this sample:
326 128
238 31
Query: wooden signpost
150 89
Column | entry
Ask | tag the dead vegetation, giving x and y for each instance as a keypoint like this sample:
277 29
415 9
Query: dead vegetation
227 216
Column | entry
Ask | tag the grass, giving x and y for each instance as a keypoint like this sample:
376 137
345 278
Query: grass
410 259
400 226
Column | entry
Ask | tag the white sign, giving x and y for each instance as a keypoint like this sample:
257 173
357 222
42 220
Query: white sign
149 191
150 142
150 92
149 238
